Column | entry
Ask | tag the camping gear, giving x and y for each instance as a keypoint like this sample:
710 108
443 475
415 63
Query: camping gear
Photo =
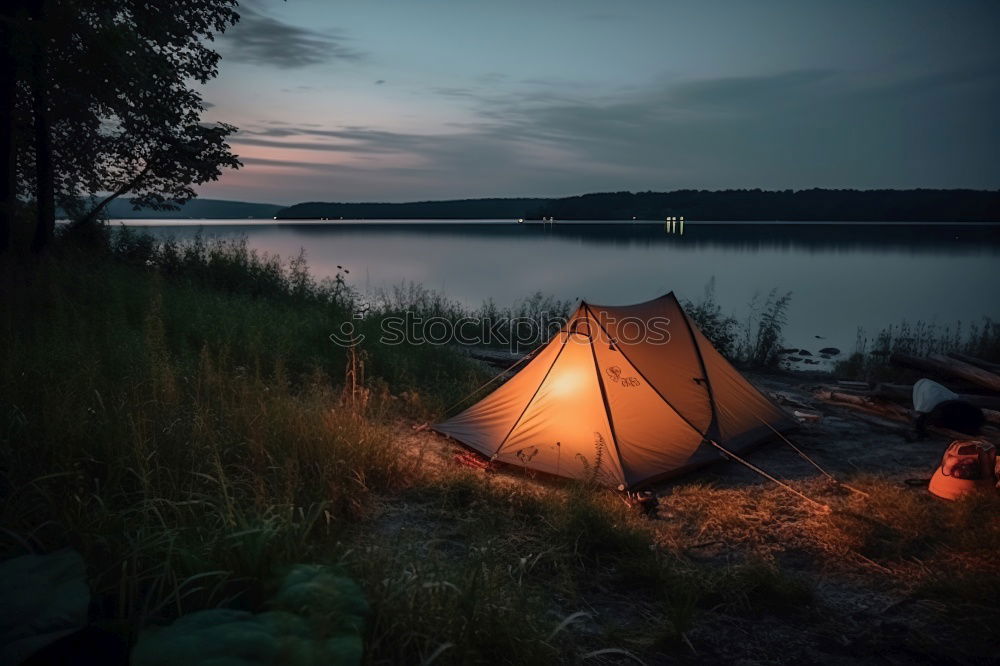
928 394
939 406
967 465
621 395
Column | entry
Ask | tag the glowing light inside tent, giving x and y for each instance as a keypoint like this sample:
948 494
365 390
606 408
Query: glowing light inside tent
568 382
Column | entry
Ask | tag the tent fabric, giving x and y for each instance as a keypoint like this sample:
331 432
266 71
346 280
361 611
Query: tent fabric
623 395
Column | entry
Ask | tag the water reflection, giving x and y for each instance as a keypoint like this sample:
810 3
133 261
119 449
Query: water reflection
955 238
843 276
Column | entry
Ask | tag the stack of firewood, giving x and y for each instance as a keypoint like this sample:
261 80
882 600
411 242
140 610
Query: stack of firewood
975 380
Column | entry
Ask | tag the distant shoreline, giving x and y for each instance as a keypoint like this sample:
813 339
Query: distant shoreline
815 205
788 206
209 221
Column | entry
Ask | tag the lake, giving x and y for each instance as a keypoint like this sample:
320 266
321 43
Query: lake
842 275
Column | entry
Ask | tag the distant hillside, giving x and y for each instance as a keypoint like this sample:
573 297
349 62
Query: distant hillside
419 210
752 205
803 205
196 208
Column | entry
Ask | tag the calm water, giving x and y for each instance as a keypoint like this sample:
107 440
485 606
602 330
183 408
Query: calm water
841 276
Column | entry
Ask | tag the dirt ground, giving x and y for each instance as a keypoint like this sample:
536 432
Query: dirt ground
845 442
862 610
860 614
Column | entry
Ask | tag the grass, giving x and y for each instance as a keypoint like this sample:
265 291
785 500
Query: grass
870 360
179 416
757 341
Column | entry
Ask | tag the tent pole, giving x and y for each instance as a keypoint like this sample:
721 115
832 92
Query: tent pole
494 378
713 425
604 398
532 398
653 386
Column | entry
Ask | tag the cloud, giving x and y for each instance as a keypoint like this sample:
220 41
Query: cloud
802 128
491 78
263 40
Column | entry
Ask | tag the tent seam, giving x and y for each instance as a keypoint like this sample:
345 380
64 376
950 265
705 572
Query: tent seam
704 370
653 386
533 395
607 405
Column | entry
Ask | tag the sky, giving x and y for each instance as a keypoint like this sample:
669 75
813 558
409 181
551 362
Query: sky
403 100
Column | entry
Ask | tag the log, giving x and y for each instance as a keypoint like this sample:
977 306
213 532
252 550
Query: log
839 396
969 372
851 391
811 417
496 358
788 399
887 409
942 365
898 392
896 412
978 362
845 383
904 393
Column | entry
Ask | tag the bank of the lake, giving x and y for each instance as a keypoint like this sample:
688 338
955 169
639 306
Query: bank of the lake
842 277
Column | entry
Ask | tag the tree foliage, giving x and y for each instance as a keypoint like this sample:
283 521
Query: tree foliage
121 108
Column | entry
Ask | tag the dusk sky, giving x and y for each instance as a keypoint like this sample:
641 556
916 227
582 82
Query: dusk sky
396 100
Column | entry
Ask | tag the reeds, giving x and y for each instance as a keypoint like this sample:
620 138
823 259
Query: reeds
870 359
757 341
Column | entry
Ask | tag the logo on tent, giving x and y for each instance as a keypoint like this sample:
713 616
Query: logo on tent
614 373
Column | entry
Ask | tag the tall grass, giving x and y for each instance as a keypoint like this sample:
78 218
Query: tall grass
870 359
187 430
757 341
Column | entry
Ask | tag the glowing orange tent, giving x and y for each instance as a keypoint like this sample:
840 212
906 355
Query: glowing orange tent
626 395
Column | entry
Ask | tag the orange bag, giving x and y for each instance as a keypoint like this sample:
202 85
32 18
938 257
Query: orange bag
967 465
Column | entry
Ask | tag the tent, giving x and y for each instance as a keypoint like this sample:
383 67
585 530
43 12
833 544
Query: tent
624 395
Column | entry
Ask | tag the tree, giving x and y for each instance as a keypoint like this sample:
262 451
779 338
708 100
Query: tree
9 15
110 102
41 113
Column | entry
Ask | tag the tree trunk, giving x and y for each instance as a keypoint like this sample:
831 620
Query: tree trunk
8 147
91 216
45 225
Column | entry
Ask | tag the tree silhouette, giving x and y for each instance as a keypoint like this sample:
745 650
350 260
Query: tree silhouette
9 10
105 103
